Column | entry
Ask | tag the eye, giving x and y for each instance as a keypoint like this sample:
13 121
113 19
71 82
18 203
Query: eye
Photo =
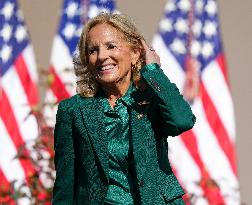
91 50
111 46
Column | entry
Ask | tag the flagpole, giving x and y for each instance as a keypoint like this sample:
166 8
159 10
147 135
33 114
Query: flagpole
84 11
190 24
191 85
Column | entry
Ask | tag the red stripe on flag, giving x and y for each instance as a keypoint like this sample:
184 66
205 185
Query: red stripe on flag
211 192
8 117
58 86
5 190
218 128
29 86
222 64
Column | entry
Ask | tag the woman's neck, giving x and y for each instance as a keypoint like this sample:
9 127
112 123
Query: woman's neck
115 91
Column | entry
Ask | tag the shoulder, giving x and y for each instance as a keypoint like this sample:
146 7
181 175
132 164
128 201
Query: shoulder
72 103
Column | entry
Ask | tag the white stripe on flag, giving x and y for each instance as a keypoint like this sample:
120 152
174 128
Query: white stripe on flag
212 155
29 58
11 168
185 166
20 105
50 109
61 60
169 64
219 92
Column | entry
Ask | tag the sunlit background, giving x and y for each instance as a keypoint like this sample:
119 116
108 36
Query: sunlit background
42 17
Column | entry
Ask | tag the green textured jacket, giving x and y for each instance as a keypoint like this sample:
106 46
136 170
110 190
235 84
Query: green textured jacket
81 153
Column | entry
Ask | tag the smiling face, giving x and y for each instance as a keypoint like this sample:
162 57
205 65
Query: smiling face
109 55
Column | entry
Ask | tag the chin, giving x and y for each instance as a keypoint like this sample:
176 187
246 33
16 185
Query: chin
107 80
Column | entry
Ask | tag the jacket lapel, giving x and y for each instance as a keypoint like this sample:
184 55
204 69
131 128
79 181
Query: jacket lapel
140 141
92 114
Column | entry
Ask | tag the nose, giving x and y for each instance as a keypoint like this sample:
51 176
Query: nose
102 54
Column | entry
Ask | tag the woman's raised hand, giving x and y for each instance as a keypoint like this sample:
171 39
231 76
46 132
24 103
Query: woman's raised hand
150 54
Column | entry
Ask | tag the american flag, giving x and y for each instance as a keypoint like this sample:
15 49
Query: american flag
73 16
189 44
18 95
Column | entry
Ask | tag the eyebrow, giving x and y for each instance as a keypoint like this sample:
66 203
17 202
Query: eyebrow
105 43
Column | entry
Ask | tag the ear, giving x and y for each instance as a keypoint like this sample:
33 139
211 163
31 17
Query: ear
135 55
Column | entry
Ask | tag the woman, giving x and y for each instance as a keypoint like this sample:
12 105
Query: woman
111 138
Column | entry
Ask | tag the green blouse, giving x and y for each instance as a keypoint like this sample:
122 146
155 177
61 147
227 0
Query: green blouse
120 156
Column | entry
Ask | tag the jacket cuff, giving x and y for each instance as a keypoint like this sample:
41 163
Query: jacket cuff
150 67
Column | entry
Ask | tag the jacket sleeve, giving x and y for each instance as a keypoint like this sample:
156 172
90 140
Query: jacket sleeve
176 114
63 190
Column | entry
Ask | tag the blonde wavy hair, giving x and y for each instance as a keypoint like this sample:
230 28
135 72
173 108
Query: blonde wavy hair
86 83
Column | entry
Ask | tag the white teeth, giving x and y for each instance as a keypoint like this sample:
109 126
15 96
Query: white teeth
107 67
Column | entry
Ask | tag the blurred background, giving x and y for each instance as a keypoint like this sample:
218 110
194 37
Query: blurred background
42 18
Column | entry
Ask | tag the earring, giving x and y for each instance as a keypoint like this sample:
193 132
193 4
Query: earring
133 66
